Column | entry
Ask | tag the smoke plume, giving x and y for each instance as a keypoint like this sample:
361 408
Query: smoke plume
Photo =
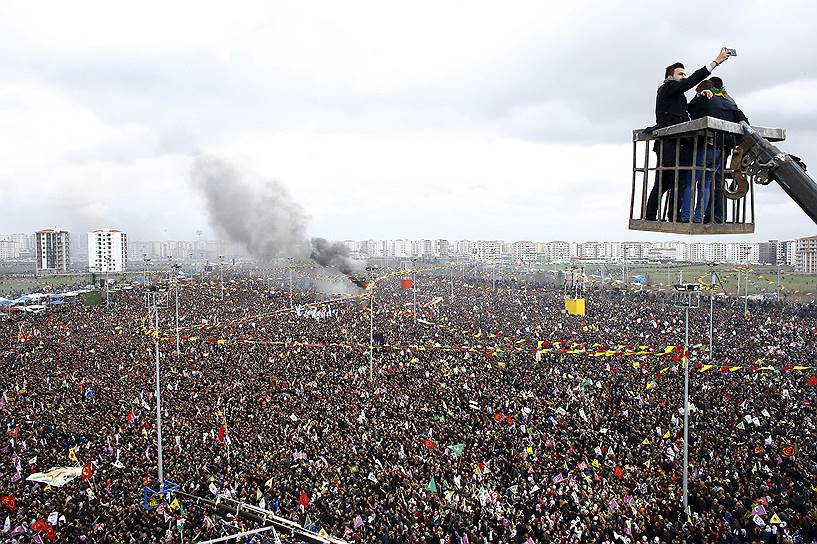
267 222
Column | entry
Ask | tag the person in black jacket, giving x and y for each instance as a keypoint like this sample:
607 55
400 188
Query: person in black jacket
711 154
670 109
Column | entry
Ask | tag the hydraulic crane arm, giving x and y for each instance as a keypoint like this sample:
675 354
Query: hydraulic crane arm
758 160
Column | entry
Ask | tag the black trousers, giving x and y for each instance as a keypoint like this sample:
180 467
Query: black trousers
666 178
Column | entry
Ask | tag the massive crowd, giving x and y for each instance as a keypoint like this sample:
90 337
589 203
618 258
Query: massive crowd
447 441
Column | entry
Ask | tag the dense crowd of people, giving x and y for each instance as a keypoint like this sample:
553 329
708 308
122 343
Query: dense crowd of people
445 439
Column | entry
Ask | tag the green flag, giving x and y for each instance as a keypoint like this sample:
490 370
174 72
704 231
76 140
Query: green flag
456 449
431 486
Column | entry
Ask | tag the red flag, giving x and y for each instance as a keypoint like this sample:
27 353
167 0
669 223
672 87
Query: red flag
303 500
619 473
8 502
15 432
406 284
221 434
39 525
428 443
131 417
50 534
499 416
812 380
509 420
86 471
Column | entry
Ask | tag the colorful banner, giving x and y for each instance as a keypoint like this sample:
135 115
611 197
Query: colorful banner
56 476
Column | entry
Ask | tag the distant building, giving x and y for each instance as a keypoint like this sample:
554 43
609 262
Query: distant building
53 250
786 252
107 250
16 246
524 251
767 252
486 250
806 255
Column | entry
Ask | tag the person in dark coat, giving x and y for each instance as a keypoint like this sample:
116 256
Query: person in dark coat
711 155
670 109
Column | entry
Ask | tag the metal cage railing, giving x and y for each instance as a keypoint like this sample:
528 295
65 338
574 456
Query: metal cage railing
684 179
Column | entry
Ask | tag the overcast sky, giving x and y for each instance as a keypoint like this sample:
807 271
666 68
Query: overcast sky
415 119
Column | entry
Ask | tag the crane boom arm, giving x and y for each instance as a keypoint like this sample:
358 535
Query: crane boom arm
788 171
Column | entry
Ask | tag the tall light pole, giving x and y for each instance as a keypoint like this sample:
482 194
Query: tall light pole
414 288
146 259
221 274
687 298
713 281
371 326
452 281
107 279
153 298
176 268
746 293
290 282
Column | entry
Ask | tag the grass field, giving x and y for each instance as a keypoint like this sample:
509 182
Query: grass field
11 285
762 279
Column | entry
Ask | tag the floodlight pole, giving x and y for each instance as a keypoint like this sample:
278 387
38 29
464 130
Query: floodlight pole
414 290
107 272
686 404
688 290
176 268
158 393
712 284
221 274
371 330
452 281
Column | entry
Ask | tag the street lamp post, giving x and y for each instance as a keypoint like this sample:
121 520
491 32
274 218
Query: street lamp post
371 327
146 259
414 289
687 298
107 279
713 281
452 281
221 274
154 297
176 268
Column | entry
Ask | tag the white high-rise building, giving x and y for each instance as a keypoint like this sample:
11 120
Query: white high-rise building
806 255
107 250
486 250
524 251
53 250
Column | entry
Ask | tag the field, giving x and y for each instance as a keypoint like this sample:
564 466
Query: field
762 279
11 286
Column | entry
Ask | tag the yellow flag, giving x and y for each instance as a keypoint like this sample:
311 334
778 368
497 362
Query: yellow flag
704 368
645 442
529 450
175 504
775 519
72 454
595 463
666 434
